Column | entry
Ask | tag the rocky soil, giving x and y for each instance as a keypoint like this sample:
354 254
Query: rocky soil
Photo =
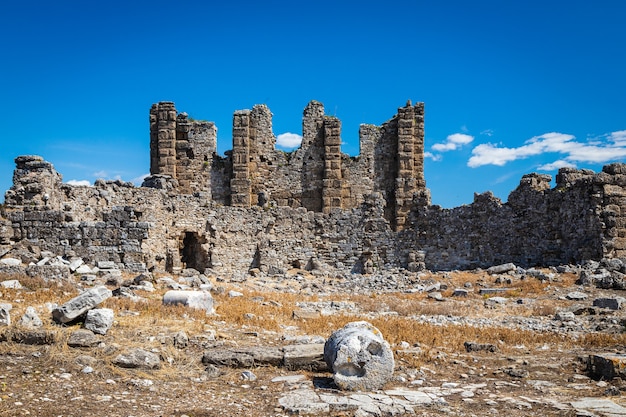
465 344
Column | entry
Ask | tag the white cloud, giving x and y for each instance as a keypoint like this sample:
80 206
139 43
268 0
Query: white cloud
553 166
453 142
139 180
610 147
487 132
79 182
288 140
432 156
100 174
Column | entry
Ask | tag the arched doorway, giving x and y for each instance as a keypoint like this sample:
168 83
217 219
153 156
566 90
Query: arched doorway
192 253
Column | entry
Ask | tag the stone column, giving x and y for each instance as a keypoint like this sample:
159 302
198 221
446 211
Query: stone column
240 184
332 182
163 139
410 169
184 154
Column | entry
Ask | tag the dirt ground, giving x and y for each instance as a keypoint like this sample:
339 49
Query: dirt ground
537 368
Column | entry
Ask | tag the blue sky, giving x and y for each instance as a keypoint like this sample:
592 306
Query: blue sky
510 87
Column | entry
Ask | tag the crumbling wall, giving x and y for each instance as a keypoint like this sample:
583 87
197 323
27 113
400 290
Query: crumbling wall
258 208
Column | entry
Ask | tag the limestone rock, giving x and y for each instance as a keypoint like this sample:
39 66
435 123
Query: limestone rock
12 284
305 356
201 300
501 269
361 360
10 262
5 314
99 320
82 338
138 358
243 357
79 305
31 318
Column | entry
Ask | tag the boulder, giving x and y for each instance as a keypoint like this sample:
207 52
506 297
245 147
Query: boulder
99 320
79 305
138 358
361 360
201 300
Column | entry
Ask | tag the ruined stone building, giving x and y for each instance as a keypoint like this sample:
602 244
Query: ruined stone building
262 208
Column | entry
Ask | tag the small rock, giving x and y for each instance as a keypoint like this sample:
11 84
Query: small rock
436 296
501 269
480 347
138 358
576 295
10 262
612 303
11 284
564 316
248 376
99 320
83 338
31 318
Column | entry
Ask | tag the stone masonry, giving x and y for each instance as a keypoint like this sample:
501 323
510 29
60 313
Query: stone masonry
315 208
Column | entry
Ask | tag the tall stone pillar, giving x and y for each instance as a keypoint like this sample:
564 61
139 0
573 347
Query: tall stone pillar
332 182
163 139
410 169
240 184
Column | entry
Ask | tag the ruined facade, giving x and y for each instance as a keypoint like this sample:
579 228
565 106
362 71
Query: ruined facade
265 209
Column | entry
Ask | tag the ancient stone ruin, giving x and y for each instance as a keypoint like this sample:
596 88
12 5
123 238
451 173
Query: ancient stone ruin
264 210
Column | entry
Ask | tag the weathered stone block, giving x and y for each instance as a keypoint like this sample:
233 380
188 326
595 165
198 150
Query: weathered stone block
79 305
361 360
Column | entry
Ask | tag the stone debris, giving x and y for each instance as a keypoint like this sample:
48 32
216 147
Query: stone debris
361 360
99 320
304 356
5 314
479 347
83 338
138 358
606 366
501 269
201 300
602 406
30 318
10 262
612 303
12 284
80 304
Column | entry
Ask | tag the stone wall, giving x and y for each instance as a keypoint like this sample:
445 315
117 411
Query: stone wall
262 209
317 176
